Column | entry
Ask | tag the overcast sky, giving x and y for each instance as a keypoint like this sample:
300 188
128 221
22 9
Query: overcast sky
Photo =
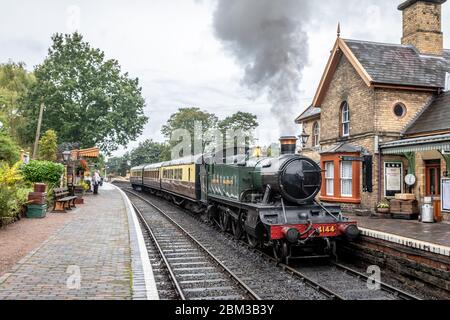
172 47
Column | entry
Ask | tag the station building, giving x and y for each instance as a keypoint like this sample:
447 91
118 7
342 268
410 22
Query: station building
381 112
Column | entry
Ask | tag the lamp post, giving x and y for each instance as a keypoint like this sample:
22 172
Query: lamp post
66 157
304 138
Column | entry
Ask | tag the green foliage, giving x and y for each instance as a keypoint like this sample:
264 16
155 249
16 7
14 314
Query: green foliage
15 81
48 146
13 192
244 121
185 119
43 171
384 204
118 166
9 150
148 152
86 96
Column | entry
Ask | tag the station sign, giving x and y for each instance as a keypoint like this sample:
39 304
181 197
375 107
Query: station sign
345 158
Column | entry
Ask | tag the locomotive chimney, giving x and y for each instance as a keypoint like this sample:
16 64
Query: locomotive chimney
288 145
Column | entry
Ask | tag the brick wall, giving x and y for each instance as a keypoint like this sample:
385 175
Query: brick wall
311 151
348 86
385 100
422 27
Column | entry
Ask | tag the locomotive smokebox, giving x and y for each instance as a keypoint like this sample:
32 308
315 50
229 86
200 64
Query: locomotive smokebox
288 145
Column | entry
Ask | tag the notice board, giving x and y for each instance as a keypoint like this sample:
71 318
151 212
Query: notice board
393 178
446 195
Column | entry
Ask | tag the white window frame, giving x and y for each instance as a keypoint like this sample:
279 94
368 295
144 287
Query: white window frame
329 176
316 134
447 81
345 119
349 178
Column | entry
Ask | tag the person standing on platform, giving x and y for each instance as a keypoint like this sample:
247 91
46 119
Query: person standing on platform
96 181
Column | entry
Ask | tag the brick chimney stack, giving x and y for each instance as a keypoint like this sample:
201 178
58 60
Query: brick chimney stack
422 25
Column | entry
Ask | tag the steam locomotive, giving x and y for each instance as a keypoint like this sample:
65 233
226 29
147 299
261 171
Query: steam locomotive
271 202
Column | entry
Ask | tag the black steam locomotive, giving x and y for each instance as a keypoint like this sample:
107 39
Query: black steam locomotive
269 201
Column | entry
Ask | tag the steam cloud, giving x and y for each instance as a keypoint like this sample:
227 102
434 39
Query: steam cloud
267 38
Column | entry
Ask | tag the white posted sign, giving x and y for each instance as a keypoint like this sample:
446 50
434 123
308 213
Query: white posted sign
393 178
446 195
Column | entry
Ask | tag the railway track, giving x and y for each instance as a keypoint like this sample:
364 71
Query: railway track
194 272
334 281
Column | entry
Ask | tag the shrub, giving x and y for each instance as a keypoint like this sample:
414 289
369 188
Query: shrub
13 192
48 146
43 171
9 150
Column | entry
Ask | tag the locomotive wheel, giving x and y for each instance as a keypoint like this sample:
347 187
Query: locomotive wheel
236 228
252 241
223 221
281 251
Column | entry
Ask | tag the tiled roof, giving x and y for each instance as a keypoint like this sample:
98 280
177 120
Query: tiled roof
310 112
400 64
436 117
343 148
409 3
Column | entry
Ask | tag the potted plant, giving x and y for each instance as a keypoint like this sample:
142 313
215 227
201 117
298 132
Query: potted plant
80 190
384 207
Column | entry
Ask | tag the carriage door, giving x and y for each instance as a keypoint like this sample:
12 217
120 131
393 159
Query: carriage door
203 183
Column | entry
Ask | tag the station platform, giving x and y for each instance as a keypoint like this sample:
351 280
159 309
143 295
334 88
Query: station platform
99 254
434 238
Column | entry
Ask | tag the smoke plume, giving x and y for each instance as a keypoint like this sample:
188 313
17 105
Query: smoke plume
268 40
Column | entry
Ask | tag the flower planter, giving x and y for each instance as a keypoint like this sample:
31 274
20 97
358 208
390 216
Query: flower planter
36 211
383 210
79 192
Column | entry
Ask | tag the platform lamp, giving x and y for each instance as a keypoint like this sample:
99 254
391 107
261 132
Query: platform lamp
304 138
66 157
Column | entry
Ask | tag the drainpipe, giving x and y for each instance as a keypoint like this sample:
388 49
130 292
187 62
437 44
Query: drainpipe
379 169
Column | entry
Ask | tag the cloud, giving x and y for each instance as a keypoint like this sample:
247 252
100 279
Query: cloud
172 46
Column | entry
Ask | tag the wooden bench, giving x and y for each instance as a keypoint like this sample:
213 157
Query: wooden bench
63 200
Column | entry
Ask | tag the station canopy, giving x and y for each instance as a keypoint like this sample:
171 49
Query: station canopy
85 153
438 142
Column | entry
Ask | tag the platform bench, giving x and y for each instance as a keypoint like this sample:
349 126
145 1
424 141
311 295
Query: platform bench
62 200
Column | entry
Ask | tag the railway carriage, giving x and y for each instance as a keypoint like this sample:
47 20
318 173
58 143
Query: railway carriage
136 175
269 201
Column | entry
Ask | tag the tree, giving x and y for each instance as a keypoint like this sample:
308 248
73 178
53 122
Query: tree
9 150
85 96
15 82
244 121
148 152
48 146
186 119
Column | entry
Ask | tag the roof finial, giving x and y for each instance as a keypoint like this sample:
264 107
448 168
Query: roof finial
339 30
